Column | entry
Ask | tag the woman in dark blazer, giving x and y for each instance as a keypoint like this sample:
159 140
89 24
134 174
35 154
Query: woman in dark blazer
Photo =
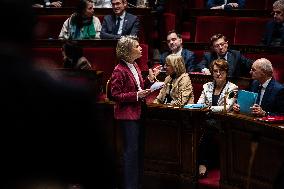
128 92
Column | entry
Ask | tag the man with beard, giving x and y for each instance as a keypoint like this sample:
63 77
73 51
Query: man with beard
174 42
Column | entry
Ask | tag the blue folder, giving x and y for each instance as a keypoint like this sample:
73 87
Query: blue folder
246 100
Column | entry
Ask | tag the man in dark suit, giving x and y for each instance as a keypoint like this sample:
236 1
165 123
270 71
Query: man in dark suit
120 23
174 42
225 4
271 92
238 64
49 136
274 34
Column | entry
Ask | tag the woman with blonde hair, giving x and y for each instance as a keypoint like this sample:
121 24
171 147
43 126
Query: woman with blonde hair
177 89
128 90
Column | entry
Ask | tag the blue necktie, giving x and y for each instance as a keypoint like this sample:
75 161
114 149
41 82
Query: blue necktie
117 25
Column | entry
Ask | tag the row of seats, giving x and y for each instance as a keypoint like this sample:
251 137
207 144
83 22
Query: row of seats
239 30
101 58
259 4
104 59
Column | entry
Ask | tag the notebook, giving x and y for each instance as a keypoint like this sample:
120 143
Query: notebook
246 99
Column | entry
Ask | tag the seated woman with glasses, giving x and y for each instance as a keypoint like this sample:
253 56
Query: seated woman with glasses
214 94
177 90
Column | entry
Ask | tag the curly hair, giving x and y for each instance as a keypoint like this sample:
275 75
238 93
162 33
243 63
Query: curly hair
124 46
278 5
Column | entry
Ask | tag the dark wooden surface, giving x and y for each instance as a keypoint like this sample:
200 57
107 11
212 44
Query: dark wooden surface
240 167
172 135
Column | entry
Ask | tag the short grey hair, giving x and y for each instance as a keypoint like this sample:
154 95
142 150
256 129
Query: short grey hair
124 47
278 5
265 65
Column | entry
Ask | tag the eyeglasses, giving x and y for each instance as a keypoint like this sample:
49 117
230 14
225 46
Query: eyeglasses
221 72
220 45
276 12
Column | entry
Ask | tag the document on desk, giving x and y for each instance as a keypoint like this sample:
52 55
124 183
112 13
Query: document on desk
195 106
246 99
156 86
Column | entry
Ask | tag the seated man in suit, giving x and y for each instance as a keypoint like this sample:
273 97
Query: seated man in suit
120 23
225 4
274 34
174 41
238 64
271 92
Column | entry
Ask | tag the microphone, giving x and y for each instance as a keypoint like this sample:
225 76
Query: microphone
233 94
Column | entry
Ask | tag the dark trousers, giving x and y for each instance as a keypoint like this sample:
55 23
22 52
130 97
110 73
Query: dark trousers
133 153
208 148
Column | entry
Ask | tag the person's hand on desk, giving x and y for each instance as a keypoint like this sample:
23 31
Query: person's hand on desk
257 110
234 5
236 108
57 4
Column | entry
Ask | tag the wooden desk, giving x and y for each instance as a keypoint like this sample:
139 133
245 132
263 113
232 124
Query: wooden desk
170 144
171 148
241 134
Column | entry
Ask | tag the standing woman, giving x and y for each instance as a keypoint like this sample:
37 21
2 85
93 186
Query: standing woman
213 96
82 24
177 89
127 89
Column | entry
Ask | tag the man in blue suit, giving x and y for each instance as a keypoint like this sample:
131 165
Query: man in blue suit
238 64
225 4
271 92
174 42
120 23
274 34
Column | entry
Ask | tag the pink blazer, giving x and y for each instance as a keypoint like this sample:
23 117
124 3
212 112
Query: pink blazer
124 92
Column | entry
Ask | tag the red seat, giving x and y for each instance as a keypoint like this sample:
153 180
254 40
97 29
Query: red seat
249 30
260 4
276 60
169 23
49 26
101 58
206 26
48 57
212 181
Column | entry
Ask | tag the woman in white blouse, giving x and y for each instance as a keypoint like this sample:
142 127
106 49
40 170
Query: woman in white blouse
214 95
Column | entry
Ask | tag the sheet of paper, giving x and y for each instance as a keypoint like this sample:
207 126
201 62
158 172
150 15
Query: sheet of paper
156 86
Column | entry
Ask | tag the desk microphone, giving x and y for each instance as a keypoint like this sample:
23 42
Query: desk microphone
232 94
